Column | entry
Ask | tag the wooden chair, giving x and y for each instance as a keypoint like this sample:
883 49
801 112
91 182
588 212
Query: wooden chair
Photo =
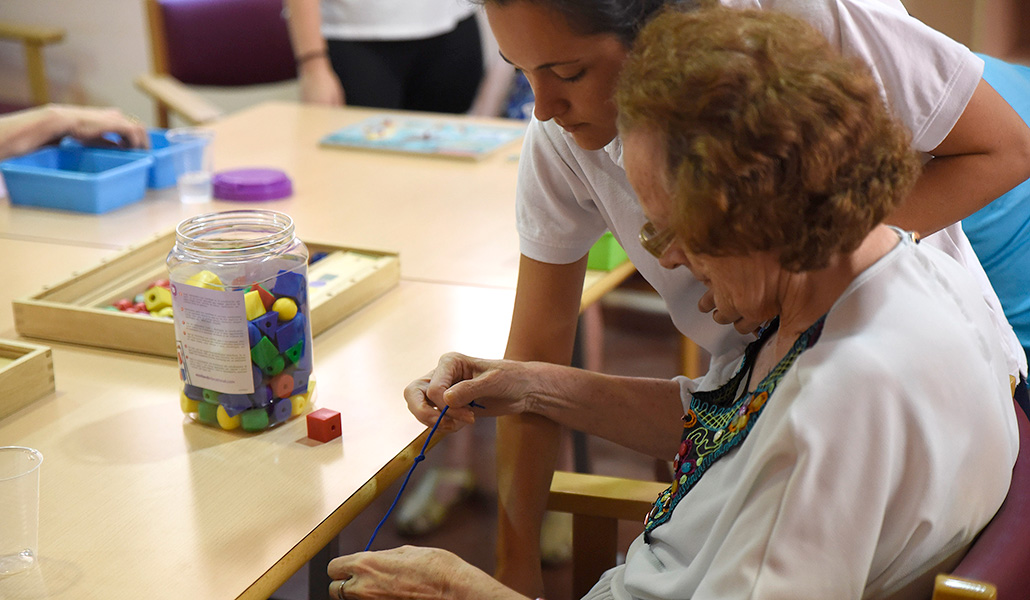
33 39
222 43
1000 554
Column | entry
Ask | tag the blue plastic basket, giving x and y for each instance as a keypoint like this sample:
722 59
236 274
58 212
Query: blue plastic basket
76 178
165 170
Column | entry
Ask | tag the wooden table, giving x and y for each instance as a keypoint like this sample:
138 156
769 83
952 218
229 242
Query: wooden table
135 501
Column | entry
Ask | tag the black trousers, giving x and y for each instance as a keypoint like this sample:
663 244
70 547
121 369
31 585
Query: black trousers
438 74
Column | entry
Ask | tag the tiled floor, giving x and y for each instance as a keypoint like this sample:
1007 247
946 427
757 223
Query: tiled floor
637 341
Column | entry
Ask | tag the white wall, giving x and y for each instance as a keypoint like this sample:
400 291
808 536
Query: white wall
105 48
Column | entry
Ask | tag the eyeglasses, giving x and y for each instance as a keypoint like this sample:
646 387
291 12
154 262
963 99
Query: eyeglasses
654 241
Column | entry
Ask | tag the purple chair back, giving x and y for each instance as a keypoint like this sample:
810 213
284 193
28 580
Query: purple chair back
1001 553
227 42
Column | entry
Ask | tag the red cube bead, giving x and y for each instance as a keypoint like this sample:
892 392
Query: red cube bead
324 425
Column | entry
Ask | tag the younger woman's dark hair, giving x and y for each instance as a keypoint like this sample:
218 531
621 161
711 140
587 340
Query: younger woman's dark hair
622 18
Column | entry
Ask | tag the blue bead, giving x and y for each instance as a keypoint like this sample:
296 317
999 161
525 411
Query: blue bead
292 285
254 333
291 332
282 410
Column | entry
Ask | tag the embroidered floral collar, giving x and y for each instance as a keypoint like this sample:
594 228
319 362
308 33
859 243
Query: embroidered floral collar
719 420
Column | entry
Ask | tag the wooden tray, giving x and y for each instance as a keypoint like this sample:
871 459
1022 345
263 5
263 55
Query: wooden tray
26 375
73 310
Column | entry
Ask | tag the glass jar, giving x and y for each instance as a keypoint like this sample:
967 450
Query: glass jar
239 283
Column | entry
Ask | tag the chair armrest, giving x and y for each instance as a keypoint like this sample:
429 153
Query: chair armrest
602 496
30 34
33 39
949 587
597 503
171 95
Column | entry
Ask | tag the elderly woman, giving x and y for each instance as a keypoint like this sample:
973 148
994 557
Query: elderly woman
857 446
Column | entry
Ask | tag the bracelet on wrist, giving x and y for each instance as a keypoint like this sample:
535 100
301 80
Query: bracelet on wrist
308 56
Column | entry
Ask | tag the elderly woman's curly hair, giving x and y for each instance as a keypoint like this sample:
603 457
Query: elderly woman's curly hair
774 141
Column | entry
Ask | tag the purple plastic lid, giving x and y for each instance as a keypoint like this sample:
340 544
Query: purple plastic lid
251 185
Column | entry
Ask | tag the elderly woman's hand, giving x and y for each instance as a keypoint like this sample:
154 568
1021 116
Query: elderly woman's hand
410 573
470 387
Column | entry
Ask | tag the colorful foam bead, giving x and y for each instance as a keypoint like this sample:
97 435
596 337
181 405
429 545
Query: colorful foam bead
157 298
286 308
255 308
263 352
299 403
254 333
290 332
267 299
290 284
227 421
324 425
268 323
300 380
282 385
255 419
295 352
193 392
211 396
235 403
274 366
282 410
207 413
166 312
262 396
206 280
259 376
188 405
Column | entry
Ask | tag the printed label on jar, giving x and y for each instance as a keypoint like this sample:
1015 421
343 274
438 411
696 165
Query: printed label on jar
211 338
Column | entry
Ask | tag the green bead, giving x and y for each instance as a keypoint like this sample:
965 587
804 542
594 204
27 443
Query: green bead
264 353
274 366
211 396
207 413
295 352
255 419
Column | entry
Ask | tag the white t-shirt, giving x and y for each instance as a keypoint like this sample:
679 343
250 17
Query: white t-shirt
568 196
392 19
866 468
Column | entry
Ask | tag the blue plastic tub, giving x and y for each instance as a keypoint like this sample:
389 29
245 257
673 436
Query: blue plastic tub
78 179
165 171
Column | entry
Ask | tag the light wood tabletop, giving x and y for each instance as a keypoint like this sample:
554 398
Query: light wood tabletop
30 265
138 502
451 220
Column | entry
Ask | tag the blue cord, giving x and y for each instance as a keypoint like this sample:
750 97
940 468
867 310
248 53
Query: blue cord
421 457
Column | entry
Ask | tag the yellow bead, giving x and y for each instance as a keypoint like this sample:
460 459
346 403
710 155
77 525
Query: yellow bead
226 421
300 404
157 298
286 308
205 279
188 405
165 312
255 307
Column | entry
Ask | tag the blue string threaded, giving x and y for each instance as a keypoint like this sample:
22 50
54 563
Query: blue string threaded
421 457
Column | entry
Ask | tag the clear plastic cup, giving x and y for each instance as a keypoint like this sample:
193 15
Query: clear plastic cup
19 508
192 162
